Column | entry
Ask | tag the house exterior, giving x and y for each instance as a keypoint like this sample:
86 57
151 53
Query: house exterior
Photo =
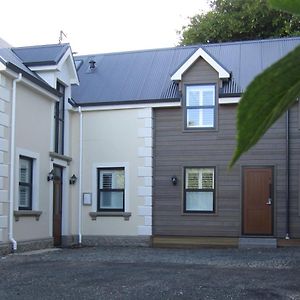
133 148
32 136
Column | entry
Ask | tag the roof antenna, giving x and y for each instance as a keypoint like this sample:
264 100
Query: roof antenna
61 35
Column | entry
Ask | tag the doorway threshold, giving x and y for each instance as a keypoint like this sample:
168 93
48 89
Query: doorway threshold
257 242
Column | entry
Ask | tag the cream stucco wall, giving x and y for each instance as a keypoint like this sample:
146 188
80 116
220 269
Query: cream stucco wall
113 138
34 121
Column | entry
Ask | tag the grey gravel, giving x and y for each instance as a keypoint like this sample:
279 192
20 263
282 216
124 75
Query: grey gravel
147 273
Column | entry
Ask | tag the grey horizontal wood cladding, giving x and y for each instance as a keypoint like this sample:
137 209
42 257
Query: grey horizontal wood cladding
175 148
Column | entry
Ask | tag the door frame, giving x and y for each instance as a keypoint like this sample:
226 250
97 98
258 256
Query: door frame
273 198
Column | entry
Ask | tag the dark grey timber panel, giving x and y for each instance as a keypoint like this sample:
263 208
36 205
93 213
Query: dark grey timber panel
200 72
175 149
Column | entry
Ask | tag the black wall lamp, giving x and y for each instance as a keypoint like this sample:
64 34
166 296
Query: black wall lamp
50 175
174 180
73 179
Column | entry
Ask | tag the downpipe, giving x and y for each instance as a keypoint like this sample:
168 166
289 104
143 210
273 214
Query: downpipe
12 163
80 177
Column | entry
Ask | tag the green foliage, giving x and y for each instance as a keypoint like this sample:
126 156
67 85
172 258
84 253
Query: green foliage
234 20
266 99
269 95
287 5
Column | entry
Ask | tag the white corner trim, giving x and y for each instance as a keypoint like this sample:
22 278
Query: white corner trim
145 169
200 53
229 100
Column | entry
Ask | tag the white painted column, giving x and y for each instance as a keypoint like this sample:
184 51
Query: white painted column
145 171
4 155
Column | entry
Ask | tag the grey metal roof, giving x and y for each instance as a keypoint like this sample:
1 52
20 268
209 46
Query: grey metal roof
145 76
41 55
13 62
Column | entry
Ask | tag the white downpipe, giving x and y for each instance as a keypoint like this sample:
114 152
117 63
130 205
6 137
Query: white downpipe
12 163
80 176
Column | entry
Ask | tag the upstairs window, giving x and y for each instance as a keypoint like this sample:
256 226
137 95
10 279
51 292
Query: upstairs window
59 118
199 190
111 189
25 183
200 106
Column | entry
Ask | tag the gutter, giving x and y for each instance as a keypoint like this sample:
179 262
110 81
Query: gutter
287 236
80 177
12 164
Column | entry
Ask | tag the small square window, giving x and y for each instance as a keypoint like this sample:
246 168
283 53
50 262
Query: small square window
111 189
25 183
199 190
200 106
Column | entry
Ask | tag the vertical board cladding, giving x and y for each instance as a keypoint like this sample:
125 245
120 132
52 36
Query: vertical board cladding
176 148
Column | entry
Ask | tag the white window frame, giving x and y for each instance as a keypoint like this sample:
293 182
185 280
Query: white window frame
186 189
106 165
113 182
35 177
201 88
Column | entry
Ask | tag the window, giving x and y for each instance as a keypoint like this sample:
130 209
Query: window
200 106
111 188
25 183
199 190
59 118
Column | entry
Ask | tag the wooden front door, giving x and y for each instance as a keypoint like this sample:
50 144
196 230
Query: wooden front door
57 204
258 201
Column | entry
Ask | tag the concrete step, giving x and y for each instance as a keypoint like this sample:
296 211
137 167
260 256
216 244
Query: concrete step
257 242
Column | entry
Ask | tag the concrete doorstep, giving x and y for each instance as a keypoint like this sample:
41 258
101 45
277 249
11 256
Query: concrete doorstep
259 242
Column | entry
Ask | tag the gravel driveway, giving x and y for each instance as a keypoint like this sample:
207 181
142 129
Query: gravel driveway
147 273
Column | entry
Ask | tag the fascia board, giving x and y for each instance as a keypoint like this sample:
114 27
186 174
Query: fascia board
74 79
130 106
229 100
2 66
200 53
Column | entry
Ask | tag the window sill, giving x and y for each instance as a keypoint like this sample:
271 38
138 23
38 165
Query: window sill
66 158
27 213
95 215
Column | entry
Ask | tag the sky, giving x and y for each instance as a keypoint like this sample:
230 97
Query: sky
97 26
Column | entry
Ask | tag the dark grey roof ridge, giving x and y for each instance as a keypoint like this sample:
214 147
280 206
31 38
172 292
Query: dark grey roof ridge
203 45
43 46
267 40
137 51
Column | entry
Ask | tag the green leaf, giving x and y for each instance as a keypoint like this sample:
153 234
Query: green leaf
265 100
291 6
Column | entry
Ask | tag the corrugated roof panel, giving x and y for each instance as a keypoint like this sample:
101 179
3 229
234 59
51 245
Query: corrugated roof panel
146 75
229 55
41 55
250 63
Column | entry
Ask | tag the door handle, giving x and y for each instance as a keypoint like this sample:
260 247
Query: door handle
269 202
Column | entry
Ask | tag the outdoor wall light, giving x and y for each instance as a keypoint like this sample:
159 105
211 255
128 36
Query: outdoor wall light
174 180
73 179
50 175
